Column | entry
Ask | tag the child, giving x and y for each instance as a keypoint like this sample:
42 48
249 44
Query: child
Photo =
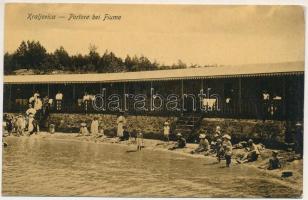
219 149
181 142
101 131
274 162
227 146
83 129
94 126
126 134
139 140
166 130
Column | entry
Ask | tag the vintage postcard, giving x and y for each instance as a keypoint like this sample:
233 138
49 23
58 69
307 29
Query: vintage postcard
153 100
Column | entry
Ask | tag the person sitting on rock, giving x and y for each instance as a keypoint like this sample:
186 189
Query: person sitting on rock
204 145
181 142
274 162
252 153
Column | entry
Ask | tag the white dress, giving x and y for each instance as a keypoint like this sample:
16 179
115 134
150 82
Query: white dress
94 127
166 128
121 121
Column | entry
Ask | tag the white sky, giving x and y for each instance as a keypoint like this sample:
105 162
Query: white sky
198 34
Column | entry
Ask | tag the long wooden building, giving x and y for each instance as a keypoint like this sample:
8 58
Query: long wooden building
272 91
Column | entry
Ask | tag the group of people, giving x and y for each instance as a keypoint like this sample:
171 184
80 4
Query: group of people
122 132
222 148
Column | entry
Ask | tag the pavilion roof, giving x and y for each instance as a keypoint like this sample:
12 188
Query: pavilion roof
275 69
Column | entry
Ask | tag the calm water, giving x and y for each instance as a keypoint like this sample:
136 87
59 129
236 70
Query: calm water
34 166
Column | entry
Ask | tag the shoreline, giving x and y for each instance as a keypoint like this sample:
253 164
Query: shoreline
294 182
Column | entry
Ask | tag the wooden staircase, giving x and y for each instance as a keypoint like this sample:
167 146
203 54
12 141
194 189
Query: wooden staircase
187 125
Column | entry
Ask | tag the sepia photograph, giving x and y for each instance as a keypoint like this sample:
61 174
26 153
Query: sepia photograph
153 100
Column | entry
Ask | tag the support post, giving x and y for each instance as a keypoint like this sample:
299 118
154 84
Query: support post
48 90
284 97
240 95
74 103
182 94
10 99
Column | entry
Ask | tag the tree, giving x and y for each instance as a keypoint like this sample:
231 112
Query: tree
110 63
35 54
93 58
62 59
8 63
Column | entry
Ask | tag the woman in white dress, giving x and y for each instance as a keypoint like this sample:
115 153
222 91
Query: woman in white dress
94 126
121 121
166 130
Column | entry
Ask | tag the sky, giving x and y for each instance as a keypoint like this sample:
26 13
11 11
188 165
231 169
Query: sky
195 34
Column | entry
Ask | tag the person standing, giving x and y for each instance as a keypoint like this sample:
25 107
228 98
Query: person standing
59 99
45 111
86 101
299 139
227 148
166 130
94 126
139 140
121 122
38 107
265 104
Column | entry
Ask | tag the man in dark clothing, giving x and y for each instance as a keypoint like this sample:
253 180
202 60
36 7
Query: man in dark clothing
299 139
181 142
274 162
126 134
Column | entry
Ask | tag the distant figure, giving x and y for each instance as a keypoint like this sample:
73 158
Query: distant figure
38 107
20 124
94 126
32 125
218 131
299 139
274 162
101 131
166 130
265 104
204 145
33 98
59 99
83 129
52 128
45 112
121 121
252 153
227 149
139 140
30 110
181 142
126 134
219 150
37 103
8 123
86 100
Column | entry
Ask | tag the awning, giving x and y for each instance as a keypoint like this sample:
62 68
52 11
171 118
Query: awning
277 69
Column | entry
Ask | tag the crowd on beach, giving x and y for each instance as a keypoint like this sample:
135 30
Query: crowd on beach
218 145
